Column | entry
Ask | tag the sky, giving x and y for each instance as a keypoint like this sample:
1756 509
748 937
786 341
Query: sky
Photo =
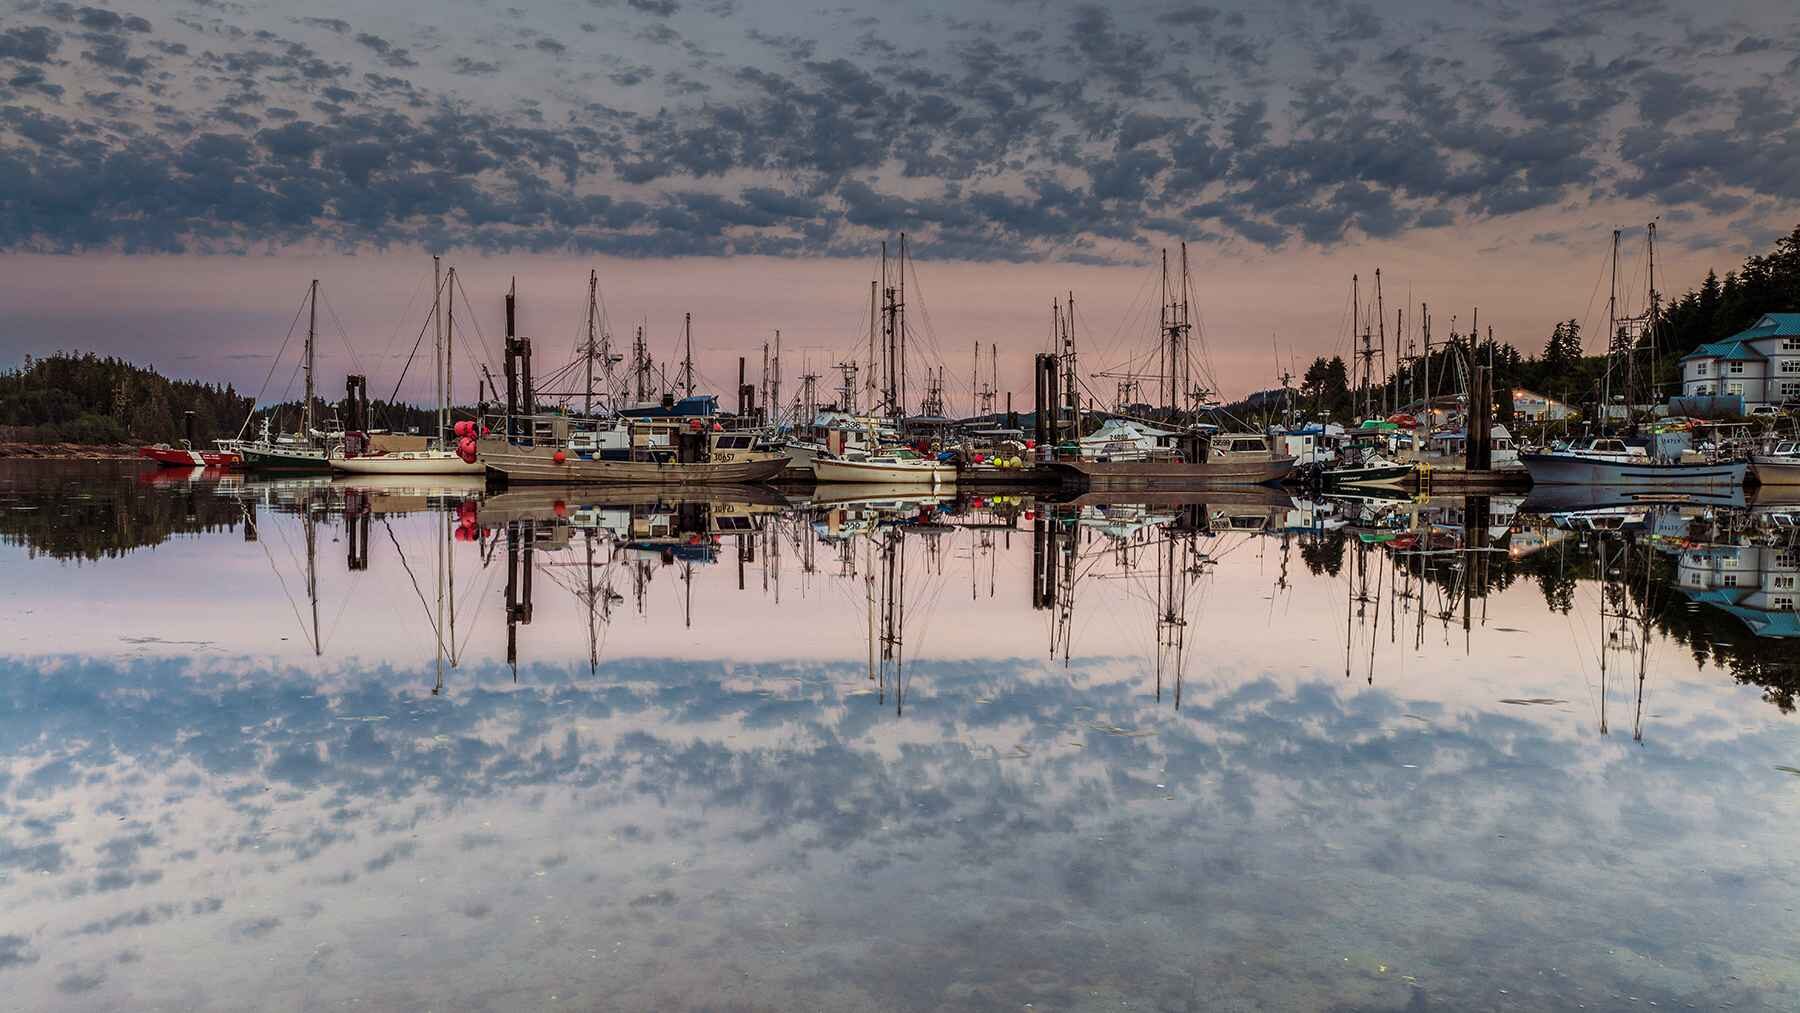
172 175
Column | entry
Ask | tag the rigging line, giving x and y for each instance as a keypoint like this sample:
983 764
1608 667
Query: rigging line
401 319
394 398
344 335
429 620
272 366
487 353
279 579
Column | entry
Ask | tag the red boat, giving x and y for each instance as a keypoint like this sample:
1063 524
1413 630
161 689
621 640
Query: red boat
185 457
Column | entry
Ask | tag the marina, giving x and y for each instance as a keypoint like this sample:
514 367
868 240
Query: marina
1059 507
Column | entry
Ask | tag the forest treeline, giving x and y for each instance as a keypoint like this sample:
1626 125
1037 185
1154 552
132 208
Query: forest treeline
84 398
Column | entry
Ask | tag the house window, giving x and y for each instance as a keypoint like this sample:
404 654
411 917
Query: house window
1786 560
1790 389
1784 603
1790 344
1782 584
1701 368
1730 580
1735 369
1735 388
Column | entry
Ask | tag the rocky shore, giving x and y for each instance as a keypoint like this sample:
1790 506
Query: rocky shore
67 452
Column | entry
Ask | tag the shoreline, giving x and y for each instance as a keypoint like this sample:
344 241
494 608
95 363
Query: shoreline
68 452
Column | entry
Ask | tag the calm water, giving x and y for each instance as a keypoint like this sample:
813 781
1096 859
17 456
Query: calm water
875 754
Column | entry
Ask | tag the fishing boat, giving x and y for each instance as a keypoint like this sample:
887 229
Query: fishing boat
1373 470
1606 459
889 467
1610 461
1780 466
659 453
185 456
1204 461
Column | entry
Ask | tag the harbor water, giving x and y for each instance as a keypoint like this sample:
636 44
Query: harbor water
307 744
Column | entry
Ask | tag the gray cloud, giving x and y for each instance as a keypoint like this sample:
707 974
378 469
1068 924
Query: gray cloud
1091 135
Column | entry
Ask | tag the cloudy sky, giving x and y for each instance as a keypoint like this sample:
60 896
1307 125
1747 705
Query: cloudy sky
172 174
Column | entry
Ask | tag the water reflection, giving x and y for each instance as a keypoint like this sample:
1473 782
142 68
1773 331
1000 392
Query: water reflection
877 751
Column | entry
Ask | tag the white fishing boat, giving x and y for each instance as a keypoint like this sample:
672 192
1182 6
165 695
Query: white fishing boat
1780 466
431 461
895 467
1607 460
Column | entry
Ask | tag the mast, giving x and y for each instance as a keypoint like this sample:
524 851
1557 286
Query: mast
687 362
1612 337
900 326
444 362
1355 322
312 325
873 325
1425 324
1655 308
775 382
437 337
1184 351
1072 396
1381 322
587 401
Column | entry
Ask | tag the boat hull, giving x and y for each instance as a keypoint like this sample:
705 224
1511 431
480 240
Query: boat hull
174 457
282 459
1176 474
1772 470
1391 476
883 474
408 464
1557 469
539 465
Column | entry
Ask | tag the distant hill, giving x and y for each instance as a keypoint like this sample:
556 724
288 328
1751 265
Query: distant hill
82 398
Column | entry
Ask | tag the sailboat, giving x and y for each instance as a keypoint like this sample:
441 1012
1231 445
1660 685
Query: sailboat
442 459
305 451
1606 459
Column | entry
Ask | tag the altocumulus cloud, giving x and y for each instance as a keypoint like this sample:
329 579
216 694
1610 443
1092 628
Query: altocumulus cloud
1016 131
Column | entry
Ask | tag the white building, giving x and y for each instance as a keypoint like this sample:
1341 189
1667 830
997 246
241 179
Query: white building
1534 407
1760 365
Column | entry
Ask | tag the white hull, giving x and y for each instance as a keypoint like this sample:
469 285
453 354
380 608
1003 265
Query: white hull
1776 470
1565 469
928 473
423 462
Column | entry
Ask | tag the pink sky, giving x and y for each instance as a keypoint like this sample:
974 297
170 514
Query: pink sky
221 317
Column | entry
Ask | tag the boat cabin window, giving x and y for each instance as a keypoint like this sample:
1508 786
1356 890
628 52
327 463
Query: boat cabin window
734 442
1247 446
1609 446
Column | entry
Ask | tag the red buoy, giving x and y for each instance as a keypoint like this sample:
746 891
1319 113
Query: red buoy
559 457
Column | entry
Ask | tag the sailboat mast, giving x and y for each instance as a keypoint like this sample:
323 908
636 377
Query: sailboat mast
687 362
1425 323
449 341
1165 364
312 326
1612 336
1182 350
587 400
1381 324
869 382
1655 307
900 325
437 338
